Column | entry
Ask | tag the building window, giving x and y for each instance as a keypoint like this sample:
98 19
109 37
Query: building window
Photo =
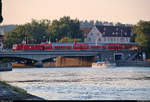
114 39
127 39
111 39
113 33
104 39
117 39
121 39
89 39
99 39
97 34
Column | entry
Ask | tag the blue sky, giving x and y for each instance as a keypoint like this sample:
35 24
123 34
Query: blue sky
124 11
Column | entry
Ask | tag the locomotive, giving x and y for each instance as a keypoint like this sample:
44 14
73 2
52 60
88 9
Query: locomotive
72 46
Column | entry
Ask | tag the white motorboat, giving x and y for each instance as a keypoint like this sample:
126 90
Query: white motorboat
103 64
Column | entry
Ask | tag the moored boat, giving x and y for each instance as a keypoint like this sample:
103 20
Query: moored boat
102 64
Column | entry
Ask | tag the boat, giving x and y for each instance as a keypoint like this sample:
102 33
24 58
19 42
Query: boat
103 64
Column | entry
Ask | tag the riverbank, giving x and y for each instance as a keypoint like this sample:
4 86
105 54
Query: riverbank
133 64
5 67
9 92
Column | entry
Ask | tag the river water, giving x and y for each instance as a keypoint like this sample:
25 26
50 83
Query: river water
120 83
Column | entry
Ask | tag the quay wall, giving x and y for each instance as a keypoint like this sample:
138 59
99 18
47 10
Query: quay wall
5 67
133 63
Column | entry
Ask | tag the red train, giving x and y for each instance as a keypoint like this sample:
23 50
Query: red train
72 46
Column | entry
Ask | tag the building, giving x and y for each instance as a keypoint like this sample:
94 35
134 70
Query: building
108 34
85 30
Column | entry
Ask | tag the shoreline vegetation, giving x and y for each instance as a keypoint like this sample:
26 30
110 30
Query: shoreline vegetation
10 92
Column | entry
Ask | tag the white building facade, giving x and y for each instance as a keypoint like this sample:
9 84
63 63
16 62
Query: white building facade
109 34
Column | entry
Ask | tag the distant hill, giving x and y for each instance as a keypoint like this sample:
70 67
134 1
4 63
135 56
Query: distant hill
8 28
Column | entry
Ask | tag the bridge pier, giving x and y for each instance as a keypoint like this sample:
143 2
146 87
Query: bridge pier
75 61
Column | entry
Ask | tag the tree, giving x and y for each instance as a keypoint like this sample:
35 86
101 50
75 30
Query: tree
33 32
64 27
38 31
142 31
133 37
67 39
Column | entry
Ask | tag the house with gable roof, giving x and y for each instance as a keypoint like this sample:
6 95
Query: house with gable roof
109 34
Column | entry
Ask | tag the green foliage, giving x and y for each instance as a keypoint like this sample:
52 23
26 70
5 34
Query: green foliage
31 32
37 31
142 31
133 37
67 39
64 27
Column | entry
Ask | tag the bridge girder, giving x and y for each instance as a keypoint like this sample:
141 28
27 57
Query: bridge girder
40 56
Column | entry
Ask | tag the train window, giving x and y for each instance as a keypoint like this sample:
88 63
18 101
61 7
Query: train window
76 46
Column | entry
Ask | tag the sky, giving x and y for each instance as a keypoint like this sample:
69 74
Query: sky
124 11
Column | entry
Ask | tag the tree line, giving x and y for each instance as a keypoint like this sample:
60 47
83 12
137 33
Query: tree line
141 35
66 29
44 30
91 23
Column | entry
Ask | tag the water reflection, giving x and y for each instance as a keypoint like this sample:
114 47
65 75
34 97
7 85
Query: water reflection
83 83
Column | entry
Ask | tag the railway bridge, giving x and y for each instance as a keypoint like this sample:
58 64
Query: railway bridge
39 56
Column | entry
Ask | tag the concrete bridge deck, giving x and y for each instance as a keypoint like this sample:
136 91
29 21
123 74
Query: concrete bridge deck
42 55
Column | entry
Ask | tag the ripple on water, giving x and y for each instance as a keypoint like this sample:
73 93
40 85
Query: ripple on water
83 83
